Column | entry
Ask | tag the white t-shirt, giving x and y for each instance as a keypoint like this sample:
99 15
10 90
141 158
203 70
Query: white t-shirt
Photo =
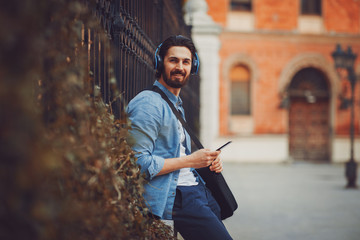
186 177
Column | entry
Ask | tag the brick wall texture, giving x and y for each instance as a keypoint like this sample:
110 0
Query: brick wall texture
273 44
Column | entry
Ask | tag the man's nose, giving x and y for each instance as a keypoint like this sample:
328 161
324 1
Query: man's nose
179 65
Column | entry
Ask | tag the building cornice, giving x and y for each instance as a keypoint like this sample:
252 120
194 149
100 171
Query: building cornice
288 36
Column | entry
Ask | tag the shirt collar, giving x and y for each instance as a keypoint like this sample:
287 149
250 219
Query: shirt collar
174 99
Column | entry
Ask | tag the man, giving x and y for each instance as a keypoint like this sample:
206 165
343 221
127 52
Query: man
163 148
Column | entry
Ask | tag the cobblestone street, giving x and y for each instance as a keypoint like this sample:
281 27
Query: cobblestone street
298 201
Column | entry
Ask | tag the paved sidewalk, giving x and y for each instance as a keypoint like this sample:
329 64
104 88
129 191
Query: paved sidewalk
297 201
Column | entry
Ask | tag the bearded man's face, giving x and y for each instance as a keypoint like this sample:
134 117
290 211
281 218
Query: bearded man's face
177 66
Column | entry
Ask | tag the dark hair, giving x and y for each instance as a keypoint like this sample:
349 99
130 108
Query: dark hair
171 41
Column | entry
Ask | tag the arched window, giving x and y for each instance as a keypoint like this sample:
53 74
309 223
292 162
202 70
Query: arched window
240 90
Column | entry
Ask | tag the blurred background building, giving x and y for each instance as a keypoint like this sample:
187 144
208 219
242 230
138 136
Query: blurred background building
268 81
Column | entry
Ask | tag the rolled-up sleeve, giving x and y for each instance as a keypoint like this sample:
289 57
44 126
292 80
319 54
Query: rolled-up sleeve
145 117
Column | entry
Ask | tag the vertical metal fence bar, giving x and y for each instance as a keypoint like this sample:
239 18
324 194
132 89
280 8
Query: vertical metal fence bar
107 65
97 59
101 69
91 57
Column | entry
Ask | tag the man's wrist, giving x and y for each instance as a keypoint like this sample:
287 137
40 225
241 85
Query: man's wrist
186 161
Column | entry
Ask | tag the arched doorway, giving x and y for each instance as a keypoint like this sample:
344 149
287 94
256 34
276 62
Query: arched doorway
309 128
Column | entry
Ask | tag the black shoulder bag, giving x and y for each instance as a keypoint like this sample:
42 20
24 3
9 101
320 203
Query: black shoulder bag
215 182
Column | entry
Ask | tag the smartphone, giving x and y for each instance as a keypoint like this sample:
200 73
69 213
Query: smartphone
223 146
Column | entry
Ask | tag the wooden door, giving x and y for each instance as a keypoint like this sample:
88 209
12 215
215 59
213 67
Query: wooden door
309 129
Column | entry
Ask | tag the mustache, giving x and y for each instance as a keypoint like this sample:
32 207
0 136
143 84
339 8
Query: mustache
177 71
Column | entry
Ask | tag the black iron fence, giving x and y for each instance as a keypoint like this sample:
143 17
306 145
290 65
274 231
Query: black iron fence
134 29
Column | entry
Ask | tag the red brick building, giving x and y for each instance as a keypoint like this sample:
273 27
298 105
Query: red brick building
280 95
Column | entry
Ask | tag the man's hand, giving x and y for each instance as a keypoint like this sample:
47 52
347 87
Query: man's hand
216 166
205 158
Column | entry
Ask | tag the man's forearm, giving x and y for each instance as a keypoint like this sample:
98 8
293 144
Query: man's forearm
173 164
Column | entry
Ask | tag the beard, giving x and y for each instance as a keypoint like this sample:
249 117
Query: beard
176 82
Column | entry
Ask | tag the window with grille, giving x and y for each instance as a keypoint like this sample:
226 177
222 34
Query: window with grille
311 7
241 5
240 90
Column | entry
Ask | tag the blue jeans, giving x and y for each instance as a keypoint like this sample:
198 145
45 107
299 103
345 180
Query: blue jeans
196 214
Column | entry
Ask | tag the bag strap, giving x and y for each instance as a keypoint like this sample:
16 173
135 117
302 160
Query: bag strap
178 115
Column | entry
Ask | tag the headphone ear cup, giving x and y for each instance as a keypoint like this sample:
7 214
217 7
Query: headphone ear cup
158 62
195 64
157 58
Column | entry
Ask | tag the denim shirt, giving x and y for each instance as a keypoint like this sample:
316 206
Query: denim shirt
154 128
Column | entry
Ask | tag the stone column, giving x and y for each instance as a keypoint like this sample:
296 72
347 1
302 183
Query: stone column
205 34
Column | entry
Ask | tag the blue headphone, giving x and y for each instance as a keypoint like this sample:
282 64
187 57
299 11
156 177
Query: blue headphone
159 61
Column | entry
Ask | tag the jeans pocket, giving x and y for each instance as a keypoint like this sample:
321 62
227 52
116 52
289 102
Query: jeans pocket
213 203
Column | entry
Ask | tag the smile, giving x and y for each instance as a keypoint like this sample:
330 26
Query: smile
178 74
